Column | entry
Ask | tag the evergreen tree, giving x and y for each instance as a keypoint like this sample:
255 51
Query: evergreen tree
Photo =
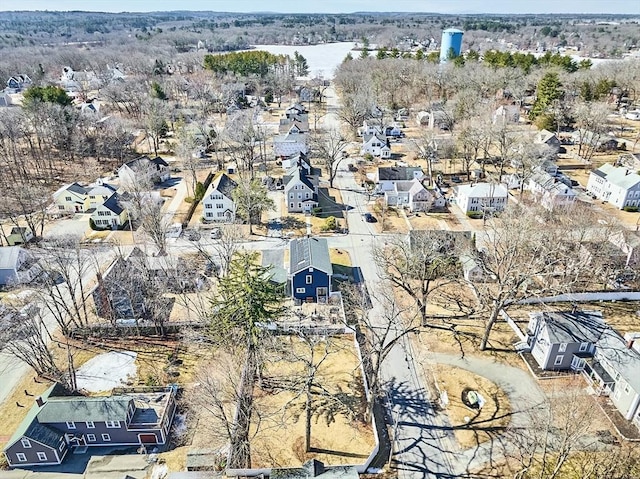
548 91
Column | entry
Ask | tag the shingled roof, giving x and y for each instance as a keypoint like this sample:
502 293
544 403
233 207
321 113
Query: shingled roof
307 253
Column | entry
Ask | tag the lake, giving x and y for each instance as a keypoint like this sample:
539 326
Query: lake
322 59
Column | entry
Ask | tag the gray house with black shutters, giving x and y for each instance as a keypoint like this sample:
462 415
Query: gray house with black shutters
310 269
557 338
58 422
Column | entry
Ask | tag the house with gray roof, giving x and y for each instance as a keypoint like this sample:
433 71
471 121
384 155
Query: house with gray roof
617 185
143 172
310 269
582 341
301 188
218 201
112 214
58 422
376 144
387 176
17 266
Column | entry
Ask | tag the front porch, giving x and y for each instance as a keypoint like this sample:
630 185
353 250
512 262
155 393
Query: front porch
596 376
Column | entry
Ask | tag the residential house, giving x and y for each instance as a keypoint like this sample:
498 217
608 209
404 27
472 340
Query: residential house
290 144
629 243
19 235
75 82
218 201
506 114
296 109
58 422
308 94
314 468
143 172
98 193
17 266
310 269
294 125
370 128
550 192
376 145
434 119
629 160
387 176
17 83
413 195
393 131
471 270
545 137
112 214
616 185
481 197
597 141
300 189
555 338
582 341
70 199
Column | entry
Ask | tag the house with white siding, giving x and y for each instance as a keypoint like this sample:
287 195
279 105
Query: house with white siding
218 201
617 185
481 197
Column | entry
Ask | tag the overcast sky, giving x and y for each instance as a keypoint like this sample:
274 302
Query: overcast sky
336 6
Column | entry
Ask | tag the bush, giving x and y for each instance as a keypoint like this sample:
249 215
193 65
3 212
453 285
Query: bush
474 215
316 211
189 199
631 209
368 157
330 224
200 191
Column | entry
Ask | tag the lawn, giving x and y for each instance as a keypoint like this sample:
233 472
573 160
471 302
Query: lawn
338 433
341 262
473 426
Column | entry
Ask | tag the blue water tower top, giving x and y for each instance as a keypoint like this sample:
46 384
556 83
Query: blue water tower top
451 43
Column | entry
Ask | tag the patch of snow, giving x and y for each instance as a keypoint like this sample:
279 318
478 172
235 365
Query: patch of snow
107 371
159 471
179 425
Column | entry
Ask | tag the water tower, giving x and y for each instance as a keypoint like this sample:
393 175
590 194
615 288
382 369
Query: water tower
451 39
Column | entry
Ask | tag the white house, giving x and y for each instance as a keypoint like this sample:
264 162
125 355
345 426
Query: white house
110 214
218 200
545 137
144 172
376 145
414 196
70 199
471 271
17 266
300 191
615 184
481 197
549 191
290 144
369 128
387 176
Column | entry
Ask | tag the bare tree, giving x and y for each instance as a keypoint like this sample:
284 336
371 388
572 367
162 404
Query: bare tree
252 200
329 146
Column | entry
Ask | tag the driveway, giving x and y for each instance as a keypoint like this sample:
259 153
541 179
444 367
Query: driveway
76 226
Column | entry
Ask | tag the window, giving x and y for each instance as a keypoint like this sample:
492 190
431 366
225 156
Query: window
220 214
67 198
42 456
61 446
626 389
291 204
219 205
92 197
583 347
558 360
60 207
309 279
71 425
21 457
90 425
208 206
300 290
209 214
562 348
91 437
112 424
26 443
106 438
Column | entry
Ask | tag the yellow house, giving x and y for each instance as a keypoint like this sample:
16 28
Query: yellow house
70 199
111 214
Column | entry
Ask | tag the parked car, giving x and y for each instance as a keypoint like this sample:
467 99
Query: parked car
456 179
351 167
193 235
369 218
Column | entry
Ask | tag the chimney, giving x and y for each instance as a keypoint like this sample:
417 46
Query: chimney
40 401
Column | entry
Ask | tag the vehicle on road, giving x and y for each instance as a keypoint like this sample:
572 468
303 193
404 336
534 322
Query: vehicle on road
369 218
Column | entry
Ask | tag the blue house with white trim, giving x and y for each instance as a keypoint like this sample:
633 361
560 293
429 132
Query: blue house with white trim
310 269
